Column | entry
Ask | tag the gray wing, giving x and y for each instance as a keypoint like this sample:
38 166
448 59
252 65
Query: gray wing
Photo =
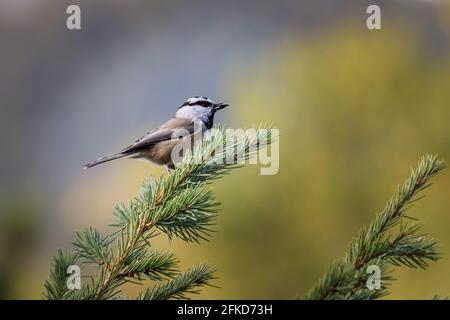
163 133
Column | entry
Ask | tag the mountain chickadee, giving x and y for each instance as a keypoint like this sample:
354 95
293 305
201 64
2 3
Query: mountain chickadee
157 145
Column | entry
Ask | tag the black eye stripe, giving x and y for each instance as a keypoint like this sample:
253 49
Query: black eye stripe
201 103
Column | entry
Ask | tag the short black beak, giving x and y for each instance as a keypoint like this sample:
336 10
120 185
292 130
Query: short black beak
219 106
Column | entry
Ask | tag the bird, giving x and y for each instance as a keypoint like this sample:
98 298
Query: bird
196 113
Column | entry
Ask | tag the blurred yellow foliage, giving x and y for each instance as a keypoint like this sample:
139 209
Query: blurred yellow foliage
355 109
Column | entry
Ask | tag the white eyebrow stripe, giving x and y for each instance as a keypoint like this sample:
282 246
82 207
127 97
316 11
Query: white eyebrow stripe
197 99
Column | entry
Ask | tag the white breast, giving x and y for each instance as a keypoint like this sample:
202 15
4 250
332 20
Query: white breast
193 113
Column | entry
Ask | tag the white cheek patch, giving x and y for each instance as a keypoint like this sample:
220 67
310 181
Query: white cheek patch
193 112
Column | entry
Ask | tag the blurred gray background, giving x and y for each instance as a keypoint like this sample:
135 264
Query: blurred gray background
68 97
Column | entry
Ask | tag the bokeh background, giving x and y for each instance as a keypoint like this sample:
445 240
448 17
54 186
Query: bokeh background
356 108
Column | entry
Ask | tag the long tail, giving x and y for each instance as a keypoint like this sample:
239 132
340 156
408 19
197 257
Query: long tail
105 159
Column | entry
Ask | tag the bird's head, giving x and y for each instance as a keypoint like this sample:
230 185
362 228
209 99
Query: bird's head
199 108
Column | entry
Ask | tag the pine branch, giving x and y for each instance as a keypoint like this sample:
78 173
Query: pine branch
383 245
179 205
156 266
178 288
92 246
439 297
56 287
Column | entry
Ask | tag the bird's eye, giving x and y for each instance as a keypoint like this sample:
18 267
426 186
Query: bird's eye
204 104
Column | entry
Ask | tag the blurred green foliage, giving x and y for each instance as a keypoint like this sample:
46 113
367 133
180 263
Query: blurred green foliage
18 238
355 110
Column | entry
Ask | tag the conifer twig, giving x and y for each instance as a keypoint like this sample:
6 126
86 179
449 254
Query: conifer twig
387 242
180 205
